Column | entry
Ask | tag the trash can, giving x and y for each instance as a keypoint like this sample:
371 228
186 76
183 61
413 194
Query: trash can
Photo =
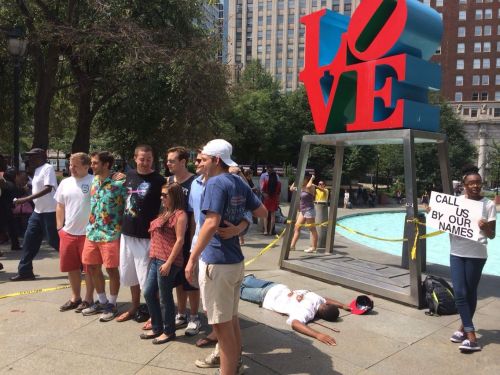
422 243
321 209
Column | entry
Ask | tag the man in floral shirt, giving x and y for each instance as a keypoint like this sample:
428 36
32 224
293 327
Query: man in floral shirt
102 244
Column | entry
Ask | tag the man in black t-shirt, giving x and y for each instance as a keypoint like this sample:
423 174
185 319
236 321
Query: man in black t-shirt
177 158
142 206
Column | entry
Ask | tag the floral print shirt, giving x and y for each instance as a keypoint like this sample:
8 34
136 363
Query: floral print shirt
107 201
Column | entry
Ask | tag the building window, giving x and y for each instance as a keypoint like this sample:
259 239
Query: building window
476 64
475 80
461 47
463 2
498 63
487 30
488 14
485 80
459 80
484 96
497 79
487 47
460 64
497 95
439 3
461 32
479 14
478 31
496 112
477 47
486 63
462 15
458 96
473 112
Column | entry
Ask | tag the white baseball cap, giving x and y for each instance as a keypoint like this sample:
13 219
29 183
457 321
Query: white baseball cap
222 149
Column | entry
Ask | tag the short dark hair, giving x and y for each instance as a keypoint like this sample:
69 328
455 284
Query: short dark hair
469 170
143 148
329 313
181 151
104 157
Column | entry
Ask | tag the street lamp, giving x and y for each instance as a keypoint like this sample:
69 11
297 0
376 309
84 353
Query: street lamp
16 45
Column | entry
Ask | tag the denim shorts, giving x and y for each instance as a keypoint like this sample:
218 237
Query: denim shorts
309 213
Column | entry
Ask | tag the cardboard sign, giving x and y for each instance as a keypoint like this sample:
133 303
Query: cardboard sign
455 215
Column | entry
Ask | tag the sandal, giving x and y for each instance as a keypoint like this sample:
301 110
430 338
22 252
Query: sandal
127 315
147 326
165 340
146 336
205 341
70 305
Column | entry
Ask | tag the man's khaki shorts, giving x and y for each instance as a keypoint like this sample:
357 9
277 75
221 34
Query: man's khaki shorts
220 290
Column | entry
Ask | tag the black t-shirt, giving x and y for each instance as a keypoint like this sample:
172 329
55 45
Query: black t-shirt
186 189
143 202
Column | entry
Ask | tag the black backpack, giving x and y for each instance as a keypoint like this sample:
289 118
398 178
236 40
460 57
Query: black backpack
439 296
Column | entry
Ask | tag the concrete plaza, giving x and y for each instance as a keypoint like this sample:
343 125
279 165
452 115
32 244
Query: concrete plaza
394 339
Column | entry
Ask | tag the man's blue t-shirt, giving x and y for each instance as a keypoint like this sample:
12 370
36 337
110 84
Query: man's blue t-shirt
229 196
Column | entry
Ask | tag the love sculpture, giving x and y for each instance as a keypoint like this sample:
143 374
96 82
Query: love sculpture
372 72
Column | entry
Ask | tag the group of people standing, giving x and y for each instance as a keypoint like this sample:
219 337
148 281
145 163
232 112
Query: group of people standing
151 234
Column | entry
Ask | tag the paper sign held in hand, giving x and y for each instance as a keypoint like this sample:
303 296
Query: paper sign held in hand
456 215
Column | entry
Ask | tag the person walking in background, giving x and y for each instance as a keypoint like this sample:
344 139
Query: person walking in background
43 219
271 191
307 213
72 215
102 242
142 205
167 240
467 259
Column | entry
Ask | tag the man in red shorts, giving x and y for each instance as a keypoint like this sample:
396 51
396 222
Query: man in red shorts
102 245
72 216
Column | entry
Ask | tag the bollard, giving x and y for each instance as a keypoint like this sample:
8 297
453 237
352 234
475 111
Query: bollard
321 209
422 244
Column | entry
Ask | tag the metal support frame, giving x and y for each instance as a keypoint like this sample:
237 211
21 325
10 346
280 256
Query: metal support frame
408 138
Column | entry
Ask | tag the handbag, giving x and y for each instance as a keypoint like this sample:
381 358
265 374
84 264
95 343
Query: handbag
23 209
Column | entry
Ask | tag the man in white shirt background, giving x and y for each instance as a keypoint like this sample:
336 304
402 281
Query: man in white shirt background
42 221
72 215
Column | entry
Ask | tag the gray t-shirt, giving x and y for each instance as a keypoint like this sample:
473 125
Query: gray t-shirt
463 247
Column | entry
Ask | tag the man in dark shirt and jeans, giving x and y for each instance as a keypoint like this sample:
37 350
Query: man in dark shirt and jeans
141 207
226 198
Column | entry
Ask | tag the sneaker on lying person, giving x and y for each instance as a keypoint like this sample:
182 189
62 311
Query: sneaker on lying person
193 327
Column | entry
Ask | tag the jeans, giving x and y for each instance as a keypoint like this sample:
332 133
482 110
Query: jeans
465 275
161 321
39 224
254 290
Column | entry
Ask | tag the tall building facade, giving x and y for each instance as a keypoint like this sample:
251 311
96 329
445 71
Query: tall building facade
470 59
270 31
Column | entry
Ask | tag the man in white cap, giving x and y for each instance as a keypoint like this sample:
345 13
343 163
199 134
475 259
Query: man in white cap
226 198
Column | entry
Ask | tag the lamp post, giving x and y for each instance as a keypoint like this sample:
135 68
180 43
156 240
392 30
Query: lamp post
376 175
16 46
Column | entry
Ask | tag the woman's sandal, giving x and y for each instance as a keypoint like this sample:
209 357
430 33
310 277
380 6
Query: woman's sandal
165 340
205 341
127 315
146 336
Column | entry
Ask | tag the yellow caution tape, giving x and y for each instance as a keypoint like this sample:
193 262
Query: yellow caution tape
266 249
34 291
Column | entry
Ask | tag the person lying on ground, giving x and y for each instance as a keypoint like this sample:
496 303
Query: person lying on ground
301 306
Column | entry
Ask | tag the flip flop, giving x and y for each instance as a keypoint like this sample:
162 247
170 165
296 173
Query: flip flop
205 341
147 326
124 317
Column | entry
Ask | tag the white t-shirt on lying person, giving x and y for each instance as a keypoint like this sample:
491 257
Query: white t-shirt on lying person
284 301
74 194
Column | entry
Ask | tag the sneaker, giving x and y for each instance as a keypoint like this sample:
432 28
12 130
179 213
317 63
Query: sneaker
210 361
109 313
310 250
70 305
193 328
457 337
469 346
240 370
180 321
96 308
82 306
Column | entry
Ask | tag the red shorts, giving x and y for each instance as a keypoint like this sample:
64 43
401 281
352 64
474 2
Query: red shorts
70 252
105 253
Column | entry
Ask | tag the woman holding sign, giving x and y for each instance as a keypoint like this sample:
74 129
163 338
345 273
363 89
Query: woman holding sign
467 260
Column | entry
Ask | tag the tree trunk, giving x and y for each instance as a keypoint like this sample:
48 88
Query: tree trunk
46 65
81 143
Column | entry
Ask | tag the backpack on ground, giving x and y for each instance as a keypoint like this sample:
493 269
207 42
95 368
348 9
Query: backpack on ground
439 296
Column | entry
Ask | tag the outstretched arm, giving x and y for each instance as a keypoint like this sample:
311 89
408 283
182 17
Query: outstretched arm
304 329
340 305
